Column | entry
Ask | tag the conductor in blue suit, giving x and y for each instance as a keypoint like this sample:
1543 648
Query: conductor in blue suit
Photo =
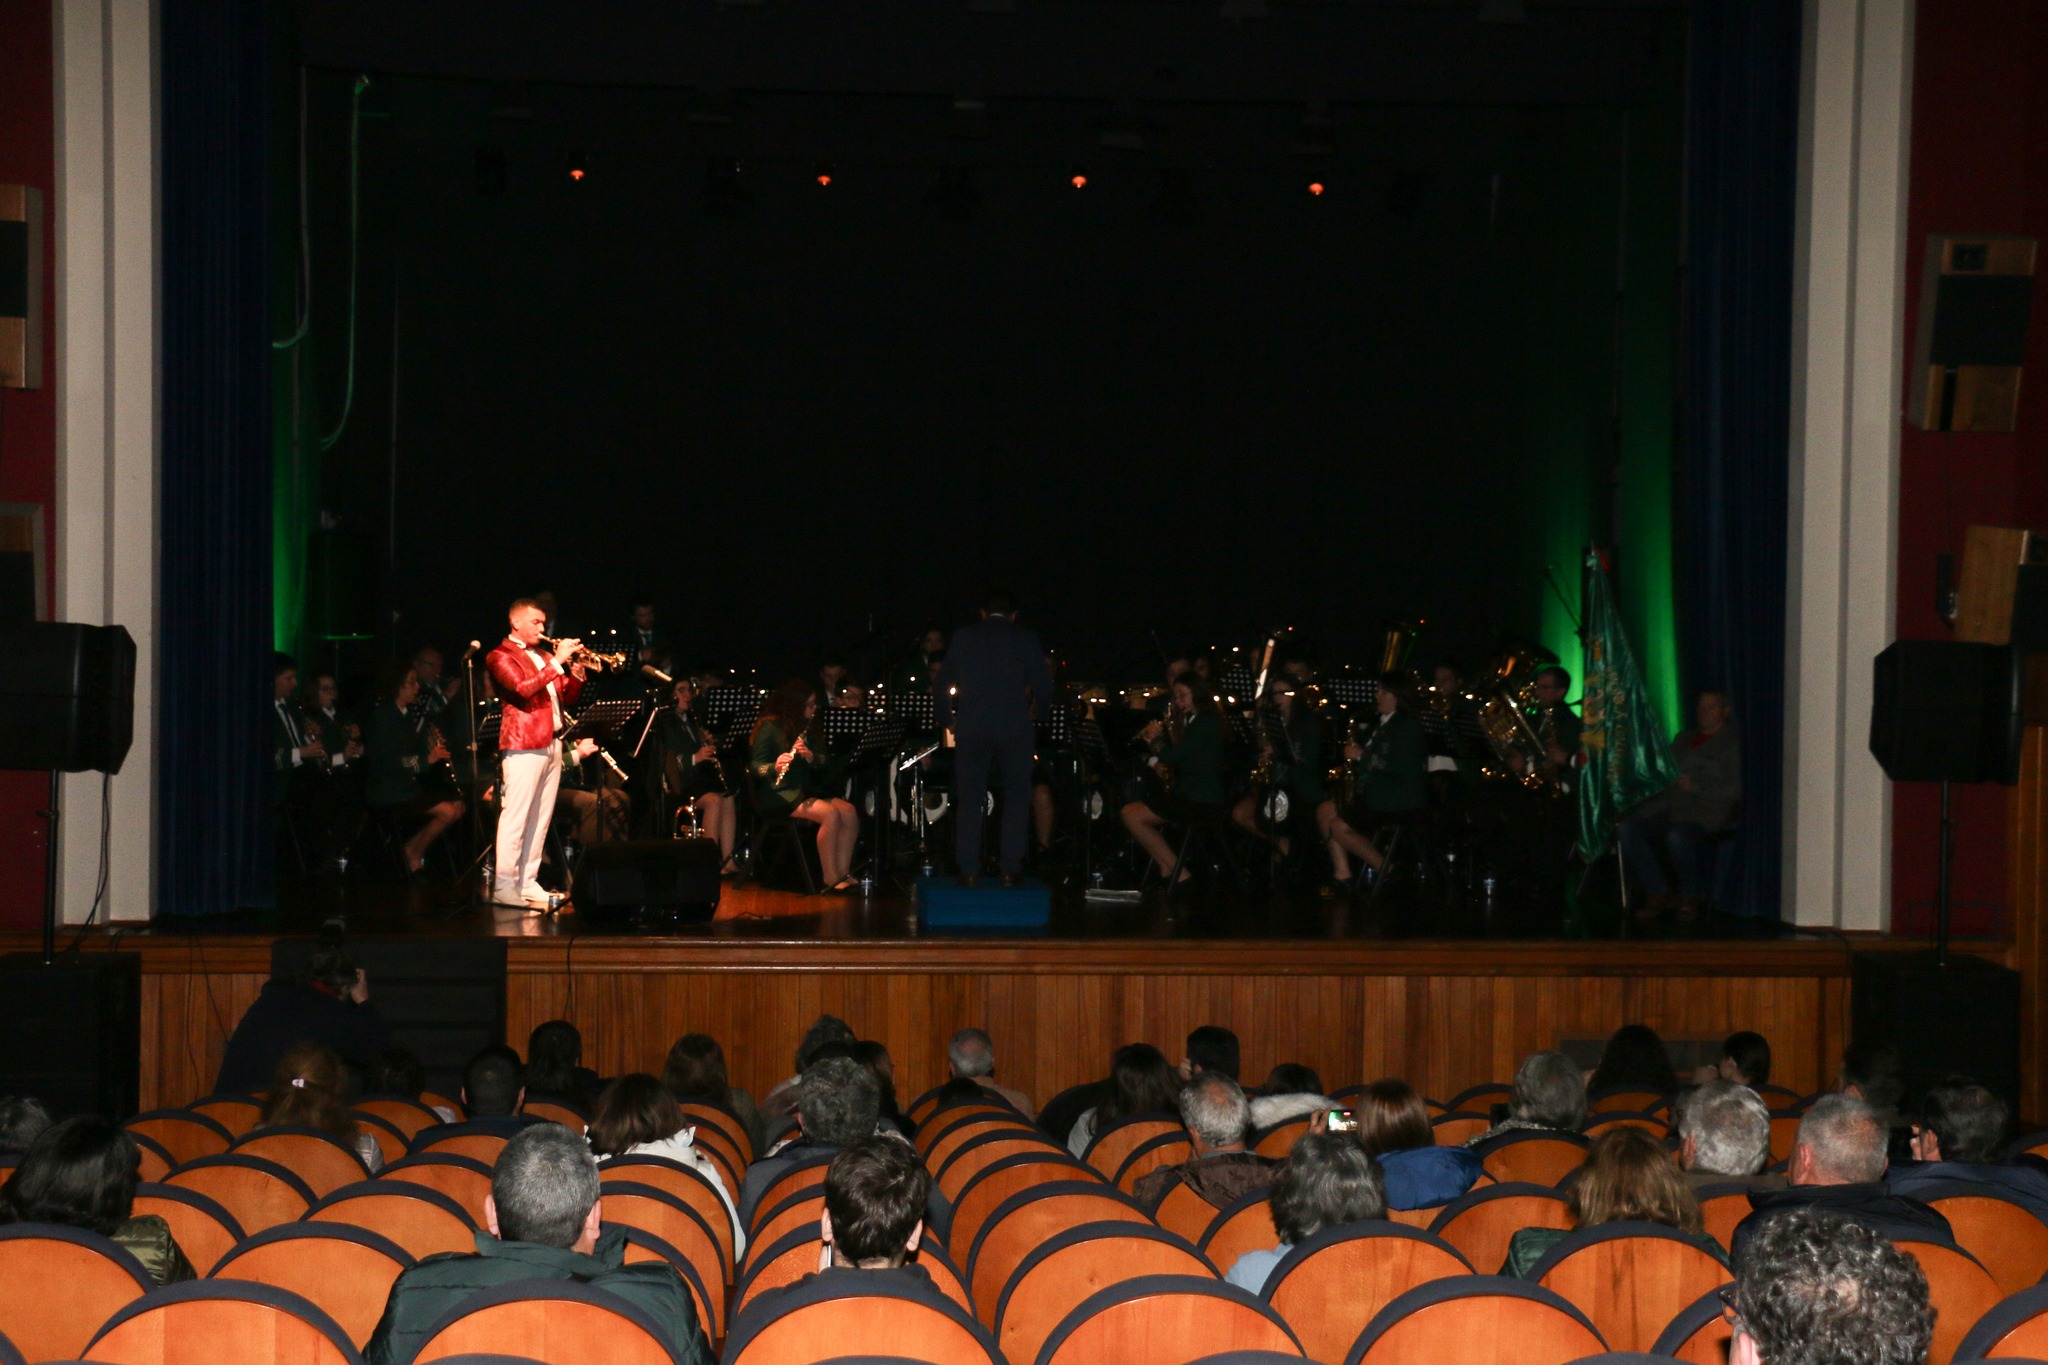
993 675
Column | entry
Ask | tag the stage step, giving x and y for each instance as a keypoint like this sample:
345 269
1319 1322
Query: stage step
942 903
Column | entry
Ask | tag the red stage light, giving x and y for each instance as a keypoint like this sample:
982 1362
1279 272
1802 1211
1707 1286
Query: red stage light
1315 187
1079 181
576 173
824 180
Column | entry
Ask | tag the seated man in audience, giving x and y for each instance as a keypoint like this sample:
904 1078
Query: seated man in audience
1816 1288
1548 1096
838 1103
1217 1117
329 1004
1724 1134
546 1222
1328 1180
1871 1073
22 1120
971 1055
1211 1049
781 1100
1960 1136
493 1084
1838 1164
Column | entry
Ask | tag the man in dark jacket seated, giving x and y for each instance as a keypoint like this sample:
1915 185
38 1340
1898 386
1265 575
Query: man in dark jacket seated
838 1102
1958 1138
329 1004
546 1223
1838 1166
1217 1117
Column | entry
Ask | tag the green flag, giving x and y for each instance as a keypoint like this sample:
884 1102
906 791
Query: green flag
1628 756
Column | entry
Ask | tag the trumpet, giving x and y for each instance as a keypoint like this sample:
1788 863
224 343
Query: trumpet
589 657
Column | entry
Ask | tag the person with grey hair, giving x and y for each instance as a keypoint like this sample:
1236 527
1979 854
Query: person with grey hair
22 1120
1959 1136
971 1056
1724 1135
1838 1163
1548 1096
1328 1180
1217 1116
546 1222
838 1102
1820 1290
825 1029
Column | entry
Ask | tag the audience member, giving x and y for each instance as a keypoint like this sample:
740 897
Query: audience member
1724 1135
971 1055
554 1066
399 1072
1634 1059
780 1102
1871 1072
635 1116
1393 1127
1141 1081
81 1173
1210 1048
838 1104
1217 1117
1548 1096
329 1003
1290 1091
1838 1164
1746 1060
1327 1181
546 1222
875 1057
695 1070
493 1084
306 1092
1960 1136
1627 1176
1821 1290
22 1120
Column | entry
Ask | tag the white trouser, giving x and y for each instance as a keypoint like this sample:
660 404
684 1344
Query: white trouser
527 782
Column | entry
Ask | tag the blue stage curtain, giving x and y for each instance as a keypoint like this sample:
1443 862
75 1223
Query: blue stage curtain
1731 487
214 853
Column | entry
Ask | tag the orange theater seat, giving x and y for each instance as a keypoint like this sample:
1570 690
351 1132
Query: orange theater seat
344 1271
642 1247
1629 1278
481 1139
556 1111
1698 1334
258 1193
407 1116
1476 1320
1331 1286
2009 1241
977 1111
1456 1128
322 1160
1245 1225
796 1254
1630 1101
1478 1099
1107 1150
807 1174
1278 1141
1059 1276
1184 1213
2017 1329
221 1322
939 1151
1533 1158
559 1321
1962 1292
627 1204
203 1230
58 1284
953 1164
1722 1206
1784 1133
236 1113
1649 1123
1165 1320
1480 1224
798 1213
1026 1221
710 1117
183 1134
847 1314
421 1220
1168 1149
392 1142
462 1178
679 1182
987 1192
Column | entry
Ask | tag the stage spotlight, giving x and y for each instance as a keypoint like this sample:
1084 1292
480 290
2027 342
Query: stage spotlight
1078 178
823 175
577 167
1316 188
724 195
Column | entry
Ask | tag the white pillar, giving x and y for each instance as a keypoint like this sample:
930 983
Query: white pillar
1848 352
107 414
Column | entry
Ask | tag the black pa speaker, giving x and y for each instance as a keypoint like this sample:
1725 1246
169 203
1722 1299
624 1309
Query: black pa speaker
74 1032
648 882
1961 1017
67 699
1948 711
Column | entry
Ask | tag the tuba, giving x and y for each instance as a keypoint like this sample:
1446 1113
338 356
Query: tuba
1507 698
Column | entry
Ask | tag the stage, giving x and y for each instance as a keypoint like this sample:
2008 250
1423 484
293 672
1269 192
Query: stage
1350 991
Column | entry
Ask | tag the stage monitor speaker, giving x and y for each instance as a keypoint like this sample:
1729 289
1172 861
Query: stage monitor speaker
1958 1018
67 698
340 586
648 883
74 1032
444 998
1971 338
1946 711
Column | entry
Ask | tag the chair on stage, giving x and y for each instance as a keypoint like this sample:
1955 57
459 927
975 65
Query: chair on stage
559 1321
58 1284
817 1321
322 1160
1331 1286
1165 1320
1628 1278
1027 1220
1477 1320
203 1230
258 1193
1535 1158
790 838
422 1220
346 1272
1245 1224
1059 1275
221 1322
1481 1223
1213 828
462 1178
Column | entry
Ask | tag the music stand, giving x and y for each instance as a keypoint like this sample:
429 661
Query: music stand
879 737
917 711
731 711
601 721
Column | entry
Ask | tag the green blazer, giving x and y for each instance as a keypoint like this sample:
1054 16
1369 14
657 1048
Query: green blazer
770 795
1394 774
394 757
1197 761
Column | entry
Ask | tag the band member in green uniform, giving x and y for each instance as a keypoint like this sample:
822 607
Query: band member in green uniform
396 756
785 774
1291 750
693 774
1390 770
1188 743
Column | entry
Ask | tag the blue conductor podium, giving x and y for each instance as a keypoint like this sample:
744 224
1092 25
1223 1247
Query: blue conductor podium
942 903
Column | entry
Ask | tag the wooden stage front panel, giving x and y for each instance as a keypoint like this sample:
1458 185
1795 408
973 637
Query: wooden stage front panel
1444 1015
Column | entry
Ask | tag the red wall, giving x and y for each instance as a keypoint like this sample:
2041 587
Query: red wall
28 420
1979 164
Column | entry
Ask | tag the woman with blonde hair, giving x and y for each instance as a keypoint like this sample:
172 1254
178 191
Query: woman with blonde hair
1628 1176
305 1092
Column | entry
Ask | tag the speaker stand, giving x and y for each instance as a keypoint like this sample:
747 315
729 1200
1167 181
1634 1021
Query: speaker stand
50 872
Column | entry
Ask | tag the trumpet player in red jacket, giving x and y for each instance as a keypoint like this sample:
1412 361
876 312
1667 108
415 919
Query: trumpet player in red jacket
537 685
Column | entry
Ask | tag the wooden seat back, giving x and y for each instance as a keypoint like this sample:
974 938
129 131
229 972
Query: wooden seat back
344 1271
807 1174
152 1162
940 1153
644 1247
2016 1330
1331 1286
985 1193
1722 1206
1165 1320
1027 1220
1784 1133
1245 1224
556 1111
1533 1158
1476 1320
1699 1333
633 1205
1168 1149
1961 1290
680 1182
203 1230
798 1213
710 1118
1059 1275
878 1322
470 1142
1649 1123
557 1321
795 1254
58 1284
407 1116
2005 1238
1629 1279
324 1161
421 1220
1106 1152
221 1322
1631 1101
1481 1224
1455 1128
464 1179
1278 1141
1477 1099
392 1141
257 1193
183 1135
943 1122
236 1113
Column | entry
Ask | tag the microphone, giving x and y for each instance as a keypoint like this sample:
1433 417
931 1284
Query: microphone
470 653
